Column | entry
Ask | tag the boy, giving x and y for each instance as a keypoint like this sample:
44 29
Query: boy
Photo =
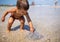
18 13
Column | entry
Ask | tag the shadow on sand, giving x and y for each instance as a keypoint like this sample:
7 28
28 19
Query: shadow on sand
26 27
30 36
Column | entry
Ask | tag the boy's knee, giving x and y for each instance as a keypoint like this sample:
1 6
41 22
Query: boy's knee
22 22
10 22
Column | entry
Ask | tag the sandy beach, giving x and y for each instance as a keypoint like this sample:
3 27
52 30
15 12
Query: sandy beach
46 21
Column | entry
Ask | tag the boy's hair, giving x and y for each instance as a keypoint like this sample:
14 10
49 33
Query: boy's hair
19 6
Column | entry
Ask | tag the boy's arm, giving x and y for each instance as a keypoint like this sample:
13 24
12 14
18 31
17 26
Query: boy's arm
9 11
30 23
6 12
28 18
3 17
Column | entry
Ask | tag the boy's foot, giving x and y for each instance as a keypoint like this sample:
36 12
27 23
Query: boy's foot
21 30
7 31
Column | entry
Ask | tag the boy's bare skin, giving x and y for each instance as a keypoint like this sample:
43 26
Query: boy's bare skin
19 15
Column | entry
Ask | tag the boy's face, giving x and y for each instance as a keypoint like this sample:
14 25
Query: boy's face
23 0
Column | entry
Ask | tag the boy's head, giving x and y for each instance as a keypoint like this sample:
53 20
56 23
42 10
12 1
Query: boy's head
20 4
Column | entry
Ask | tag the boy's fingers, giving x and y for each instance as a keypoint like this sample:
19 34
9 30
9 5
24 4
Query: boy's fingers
3 19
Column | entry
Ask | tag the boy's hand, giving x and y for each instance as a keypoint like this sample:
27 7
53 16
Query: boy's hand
3 19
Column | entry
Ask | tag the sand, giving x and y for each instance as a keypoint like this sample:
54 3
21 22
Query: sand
46 21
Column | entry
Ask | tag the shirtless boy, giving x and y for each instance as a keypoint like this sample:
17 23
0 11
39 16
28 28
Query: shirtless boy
18 13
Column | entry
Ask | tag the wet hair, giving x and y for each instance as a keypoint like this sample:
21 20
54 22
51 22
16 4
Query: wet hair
19 6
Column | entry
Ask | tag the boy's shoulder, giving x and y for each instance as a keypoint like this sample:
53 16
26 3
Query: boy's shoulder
14 8
11 10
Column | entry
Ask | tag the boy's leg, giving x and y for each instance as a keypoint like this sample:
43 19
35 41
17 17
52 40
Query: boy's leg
10 22
22 21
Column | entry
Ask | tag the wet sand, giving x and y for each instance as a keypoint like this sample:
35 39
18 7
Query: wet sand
46 21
